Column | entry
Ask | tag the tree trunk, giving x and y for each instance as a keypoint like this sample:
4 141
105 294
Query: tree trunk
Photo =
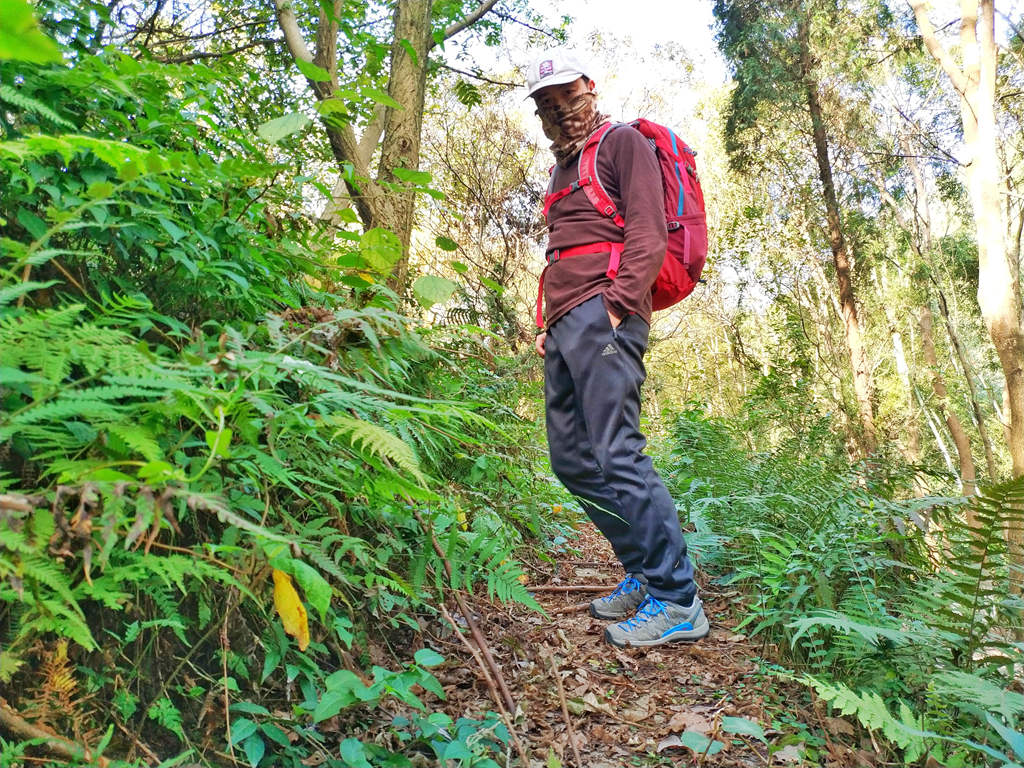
933 425
401 144
841 258
912 450
395 130
998 281
968 369
912 447
998 289
923 225
956 429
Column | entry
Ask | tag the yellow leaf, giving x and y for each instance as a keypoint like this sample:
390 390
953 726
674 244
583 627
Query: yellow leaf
290 609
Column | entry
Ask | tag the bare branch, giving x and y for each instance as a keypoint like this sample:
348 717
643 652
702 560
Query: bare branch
341 137
221 31
469 21
478 76
17 726
940 54
216 54
371 134
531 27
326 55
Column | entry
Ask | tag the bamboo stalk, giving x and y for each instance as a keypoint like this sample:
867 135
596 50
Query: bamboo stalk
565 712
474 628
506 718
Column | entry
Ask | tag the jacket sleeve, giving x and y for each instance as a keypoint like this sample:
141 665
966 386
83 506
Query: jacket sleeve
641 205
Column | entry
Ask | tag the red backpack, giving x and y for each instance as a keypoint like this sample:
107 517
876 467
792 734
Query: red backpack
684 213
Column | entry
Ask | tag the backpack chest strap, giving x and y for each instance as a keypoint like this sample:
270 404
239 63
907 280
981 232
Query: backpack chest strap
554 197
589 181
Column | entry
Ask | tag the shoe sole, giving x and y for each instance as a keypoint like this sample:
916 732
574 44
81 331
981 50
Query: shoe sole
682 636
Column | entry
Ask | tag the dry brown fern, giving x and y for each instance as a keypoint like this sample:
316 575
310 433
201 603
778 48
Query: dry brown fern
56 700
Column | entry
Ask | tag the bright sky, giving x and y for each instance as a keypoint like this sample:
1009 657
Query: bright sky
636 50
648 24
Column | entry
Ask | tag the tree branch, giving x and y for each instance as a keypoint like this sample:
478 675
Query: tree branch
292 34
194 38
216 54
17 726
940 54
371 134
342 138
520 22
477 76
470 20
326 55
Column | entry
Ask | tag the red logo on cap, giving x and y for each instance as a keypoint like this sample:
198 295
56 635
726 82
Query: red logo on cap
547 68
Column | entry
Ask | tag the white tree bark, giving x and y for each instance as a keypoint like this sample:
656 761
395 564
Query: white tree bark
998 278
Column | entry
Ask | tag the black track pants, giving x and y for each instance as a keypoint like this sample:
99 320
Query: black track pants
592 378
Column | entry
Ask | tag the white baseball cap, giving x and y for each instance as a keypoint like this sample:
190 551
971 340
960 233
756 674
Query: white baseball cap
553 67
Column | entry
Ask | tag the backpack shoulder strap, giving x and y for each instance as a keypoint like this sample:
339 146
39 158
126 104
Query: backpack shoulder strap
593 187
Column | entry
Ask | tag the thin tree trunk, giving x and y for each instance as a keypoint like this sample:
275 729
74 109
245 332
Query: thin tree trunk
998 285
826 293
401 145
956 429
396 130
912 447
923 225
841 258
933 425
968 369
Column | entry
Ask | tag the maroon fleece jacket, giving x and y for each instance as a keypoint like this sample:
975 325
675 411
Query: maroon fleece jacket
629 171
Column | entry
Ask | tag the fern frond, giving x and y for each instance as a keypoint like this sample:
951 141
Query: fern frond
966 687
39 569
906 730
137 438
846 624
376 440
976 579
12 96
47 615
505 582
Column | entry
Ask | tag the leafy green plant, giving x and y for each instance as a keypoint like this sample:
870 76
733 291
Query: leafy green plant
202 386
911 632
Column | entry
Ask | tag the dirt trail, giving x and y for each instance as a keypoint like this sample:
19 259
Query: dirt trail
626 707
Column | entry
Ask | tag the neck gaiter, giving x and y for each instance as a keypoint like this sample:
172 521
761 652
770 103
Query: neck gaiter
569 127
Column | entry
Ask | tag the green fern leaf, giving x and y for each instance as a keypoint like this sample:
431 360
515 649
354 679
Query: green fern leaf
378 441
13 96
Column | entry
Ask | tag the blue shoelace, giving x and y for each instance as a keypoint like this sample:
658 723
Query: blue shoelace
624 587
649 608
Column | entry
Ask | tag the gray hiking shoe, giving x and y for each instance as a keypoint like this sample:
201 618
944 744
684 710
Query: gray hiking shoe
657 622
623 600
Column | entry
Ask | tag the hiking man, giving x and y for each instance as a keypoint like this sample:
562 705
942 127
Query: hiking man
597 294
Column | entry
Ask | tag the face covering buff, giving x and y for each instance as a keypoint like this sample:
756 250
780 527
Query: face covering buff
569 127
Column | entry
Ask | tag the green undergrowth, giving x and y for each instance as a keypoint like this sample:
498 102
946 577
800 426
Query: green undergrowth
897 611
152 490
204 394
